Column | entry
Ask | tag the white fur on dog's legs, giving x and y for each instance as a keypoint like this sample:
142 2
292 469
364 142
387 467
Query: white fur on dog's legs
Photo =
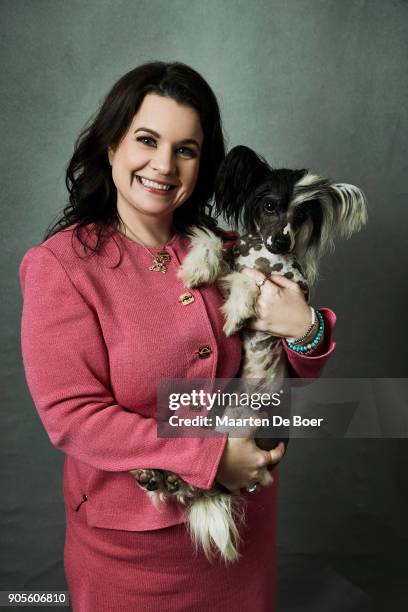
240 305
203 263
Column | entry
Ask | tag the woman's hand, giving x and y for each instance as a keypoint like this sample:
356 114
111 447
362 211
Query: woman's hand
281 306
244 464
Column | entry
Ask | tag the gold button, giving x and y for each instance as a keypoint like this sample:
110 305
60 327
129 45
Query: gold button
186 298
204 351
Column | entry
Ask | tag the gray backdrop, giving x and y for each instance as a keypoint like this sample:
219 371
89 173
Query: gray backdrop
320 84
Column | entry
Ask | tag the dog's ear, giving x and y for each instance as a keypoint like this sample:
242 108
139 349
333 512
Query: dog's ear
240 172
299 174
349 208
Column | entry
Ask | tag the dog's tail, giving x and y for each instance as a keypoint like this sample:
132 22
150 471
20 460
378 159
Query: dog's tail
212 524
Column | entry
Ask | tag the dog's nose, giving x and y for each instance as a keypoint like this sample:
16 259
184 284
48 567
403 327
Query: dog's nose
281 242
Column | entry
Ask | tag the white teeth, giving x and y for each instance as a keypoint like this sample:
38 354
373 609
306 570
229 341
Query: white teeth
154 185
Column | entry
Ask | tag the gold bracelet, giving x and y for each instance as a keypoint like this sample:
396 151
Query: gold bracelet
312 329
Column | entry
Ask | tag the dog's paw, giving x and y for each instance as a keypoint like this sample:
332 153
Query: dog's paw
172 482
240 305
151 480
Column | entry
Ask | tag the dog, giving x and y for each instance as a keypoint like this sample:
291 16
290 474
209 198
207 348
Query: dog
290 219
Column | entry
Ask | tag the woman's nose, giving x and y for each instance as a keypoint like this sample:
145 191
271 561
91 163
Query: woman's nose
163 161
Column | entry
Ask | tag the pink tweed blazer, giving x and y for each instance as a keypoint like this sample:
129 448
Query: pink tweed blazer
97 332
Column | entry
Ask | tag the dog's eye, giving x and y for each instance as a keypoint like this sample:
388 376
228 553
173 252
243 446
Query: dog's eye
300 215
269 206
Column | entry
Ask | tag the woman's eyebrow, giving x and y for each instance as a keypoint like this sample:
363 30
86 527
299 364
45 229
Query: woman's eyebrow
185 141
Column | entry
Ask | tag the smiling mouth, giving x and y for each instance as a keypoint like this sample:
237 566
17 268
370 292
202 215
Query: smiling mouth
153 185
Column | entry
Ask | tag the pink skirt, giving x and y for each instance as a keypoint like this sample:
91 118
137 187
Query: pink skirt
131 571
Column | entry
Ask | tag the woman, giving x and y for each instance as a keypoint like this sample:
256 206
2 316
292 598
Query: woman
105 318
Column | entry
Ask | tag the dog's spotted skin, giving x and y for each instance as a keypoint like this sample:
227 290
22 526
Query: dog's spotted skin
251 253
263 353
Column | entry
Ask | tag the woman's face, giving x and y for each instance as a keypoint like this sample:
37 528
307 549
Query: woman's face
155 166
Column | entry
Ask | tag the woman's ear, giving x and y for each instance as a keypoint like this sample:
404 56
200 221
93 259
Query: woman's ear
110 155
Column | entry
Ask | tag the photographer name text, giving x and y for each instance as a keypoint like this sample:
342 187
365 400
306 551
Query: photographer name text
250 421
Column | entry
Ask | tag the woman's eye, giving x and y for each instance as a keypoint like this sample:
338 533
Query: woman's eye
186 152
151 142
147 140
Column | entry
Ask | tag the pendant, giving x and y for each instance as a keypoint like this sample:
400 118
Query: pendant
159 262
158 266
164 256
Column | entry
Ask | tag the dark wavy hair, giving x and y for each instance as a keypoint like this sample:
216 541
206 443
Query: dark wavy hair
92 192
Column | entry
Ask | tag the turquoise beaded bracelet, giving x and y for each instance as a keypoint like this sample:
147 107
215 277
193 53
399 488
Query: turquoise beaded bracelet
311 345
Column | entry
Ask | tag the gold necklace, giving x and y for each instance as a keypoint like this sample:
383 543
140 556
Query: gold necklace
160 259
